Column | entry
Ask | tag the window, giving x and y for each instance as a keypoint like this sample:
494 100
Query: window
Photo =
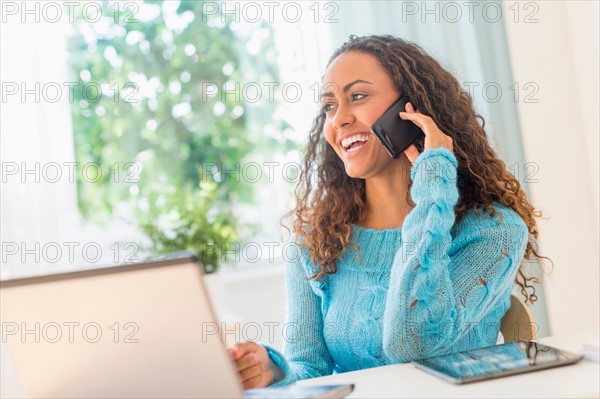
180 128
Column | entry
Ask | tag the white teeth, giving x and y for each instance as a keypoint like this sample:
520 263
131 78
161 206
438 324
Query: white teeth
355 148
358 137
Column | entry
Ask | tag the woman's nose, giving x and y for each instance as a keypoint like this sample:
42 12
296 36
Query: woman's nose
342 117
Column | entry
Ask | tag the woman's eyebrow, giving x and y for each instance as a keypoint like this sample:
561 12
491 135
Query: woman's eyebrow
346 88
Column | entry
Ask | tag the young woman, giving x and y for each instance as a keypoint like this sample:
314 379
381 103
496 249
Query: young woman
401 258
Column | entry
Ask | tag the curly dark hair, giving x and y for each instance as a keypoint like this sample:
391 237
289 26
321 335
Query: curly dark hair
323 213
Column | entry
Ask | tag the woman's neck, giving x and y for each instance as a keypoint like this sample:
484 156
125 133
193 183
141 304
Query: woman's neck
386 197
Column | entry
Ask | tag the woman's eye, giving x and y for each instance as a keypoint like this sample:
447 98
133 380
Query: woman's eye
355 97
327 107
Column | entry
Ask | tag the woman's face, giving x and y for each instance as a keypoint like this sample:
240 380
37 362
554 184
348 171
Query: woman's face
357 91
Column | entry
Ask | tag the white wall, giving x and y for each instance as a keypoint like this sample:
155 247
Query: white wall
250 302
559 53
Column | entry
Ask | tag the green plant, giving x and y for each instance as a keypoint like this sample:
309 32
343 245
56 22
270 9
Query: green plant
192 219
142 116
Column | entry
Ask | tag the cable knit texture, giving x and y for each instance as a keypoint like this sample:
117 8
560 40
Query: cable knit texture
432 287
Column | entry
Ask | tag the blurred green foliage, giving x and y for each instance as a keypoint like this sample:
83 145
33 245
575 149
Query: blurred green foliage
141 112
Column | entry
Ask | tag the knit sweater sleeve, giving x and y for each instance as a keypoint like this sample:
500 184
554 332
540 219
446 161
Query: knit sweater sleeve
305 354
441 286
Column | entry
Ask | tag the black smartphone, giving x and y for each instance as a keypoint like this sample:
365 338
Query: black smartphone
395 133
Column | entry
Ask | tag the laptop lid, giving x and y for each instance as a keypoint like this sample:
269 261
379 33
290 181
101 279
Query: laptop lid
138 330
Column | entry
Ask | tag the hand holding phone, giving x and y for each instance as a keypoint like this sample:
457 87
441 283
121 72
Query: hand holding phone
397 134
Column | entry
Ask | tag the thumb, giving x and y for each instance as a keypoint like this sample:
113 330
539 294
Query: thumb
240 349
233 352
412 153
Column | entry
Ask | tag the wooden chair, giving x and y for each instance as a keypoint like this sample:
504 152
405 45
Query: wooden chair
518 322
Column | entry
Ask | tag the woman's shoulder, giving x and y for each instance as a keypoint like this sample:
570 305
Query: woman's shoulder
295 243
480 218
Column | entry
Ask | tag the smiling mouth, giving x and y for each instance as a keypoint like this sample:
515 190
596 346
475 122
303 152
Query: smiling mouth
355 142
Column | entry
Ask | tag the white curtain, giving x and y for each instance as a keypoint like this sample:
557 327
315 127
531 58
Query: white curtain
34 132
38 209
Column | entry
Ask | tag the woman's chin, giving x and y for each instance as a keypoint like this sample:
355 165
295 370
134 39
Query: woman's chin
355 171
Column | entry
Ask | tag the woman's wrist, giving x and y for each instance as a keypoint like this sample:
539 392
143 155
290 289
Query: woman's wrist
433 162
278 374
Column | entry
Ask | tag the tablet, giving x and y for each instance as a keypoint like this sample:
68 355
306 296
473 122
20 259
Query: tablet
496 361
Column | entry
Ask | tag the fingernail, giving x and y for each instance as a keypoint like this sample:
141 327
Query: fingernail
256 358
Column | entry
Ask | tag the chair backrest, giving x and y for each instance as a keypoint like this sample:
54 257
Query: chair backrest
518 322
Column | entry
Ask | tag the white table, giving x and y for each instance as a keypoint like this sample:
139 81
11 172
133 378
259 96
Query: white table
581 380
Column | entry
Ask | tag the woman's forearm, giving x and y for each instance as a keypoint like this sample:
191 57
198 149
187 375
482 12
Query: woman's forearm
439 285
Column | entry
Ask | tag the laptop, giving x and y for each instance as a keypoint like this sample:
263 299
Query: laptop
146 330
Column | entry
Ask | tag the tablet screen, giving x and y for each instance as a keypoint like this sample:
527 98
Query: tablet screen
494 361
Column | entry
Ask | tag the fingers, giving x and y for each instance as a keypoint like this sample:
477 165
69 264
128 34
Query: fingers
251 372
254 382
411 152
234 352
417 118
245 355
247 361
434 137
240 349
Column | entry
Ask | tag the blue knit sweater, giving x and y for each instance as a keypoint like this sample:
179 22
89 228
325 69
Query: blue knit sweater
432 287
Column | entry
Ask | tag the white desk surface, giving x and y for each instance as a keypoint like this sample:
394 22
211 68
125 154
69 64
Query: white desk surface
581 380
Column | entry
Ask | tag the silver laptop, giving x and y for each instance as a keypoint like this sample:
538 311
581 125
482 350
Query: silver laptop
138 330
